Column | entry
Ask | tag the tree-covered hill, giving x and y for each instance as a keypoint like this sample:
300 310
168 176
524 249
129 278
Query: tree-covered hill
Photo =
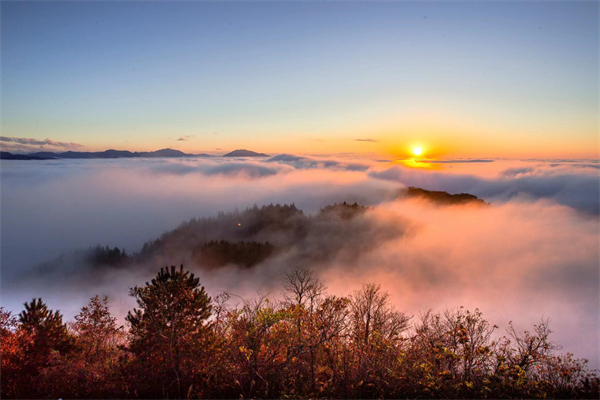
271 233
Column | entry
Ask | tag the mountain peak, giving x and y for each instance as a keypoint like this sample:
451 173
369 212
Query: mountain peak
245 153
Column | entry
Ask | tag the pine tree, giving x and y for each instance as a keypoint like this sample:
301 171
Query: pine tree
44 339
46 328
169 327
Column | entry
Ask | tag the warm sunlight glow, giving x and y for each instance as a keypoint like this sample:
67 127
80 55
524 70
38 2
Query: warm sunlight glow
417 151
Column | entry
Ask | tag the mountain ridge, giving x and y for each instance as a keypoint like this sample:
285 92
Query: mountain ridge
112 153
5 155
106 154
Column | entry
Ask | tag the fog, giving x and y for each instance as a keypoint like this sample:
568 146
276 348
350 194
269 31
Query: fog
532 252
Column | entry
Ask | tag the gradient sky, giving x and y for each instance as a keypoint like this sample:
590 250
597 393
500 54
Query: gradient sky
460 79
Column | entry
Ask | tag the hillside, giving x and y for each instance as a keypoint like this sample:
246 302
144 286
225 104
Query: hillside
278 234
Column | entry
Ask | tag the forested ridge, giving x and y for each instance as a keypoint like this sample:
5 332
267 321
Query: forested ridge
242 239
180 343
257 234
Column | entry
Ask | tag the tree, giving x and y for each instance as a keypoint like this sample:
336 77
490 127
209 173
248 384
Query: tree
96 329
94 369
46 326
181 344
304 294
8 322
372 315
376 330
43 338
12 355
168 329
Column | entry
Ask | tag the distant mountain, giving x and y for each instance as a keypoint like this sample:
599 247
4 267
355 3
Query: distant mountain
166 153
4 155
245 153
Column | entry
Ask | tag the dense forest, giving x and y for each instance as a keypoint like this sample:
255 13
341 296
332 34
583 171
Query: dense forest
180 343
256 235
241 239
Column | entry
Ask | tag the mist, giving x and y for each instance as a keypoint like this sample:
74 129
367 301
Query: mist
532 252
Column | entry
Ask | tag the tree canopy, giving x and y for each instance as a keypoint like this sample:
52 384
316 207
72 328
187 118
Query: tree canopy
305 343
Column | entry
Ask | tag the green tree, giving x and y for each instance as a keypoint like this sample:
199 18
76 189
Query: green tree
47 330
45 338
169 330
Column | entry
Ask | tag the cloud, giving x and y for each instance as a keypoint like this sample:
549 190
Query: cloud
303 162
532 252
29 145
185 138
457 161
367 140
244 170
578 165
579 191
174 169
247 170
512 172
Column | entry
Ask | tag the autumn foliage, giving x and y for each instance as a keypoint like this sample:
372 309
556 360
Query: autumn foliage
180 343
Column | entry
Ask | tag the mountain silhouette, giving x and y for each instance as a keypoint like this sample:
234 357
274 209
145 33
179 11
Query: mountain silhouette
111 153
245 153
5 155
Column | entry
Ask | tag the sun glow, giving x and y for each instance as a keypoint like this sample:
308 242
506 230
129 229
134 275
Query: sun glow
417 151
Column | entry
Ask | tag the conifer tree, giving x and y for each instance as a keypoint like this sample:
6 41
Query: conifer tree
46 327
169 327
44 338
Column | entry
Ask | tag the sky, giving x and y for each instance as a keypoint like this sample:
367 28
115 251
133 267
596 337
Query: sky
458 79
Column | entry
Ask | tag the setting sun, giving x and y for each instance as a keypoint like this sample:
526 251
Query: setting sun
417 151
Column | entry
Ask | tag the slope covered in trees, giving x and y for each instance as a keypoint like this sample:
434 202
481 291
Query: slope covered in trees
220 253
442 198
180 343
338 230
245 239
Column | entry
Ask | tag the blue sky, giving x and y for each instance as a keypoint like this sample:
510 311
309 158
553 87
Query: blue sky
464 78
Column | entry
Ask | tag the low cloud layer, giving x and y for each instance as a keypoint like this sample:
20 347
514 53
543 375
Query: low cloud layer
29 145
532 252
568 187
300 162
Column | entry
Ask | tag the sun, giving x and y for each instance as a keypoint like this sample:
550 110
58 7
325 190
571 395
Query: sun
417 151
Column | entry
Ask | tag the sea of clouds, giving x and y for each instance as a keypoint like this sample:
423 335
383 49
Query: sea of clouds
532 253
